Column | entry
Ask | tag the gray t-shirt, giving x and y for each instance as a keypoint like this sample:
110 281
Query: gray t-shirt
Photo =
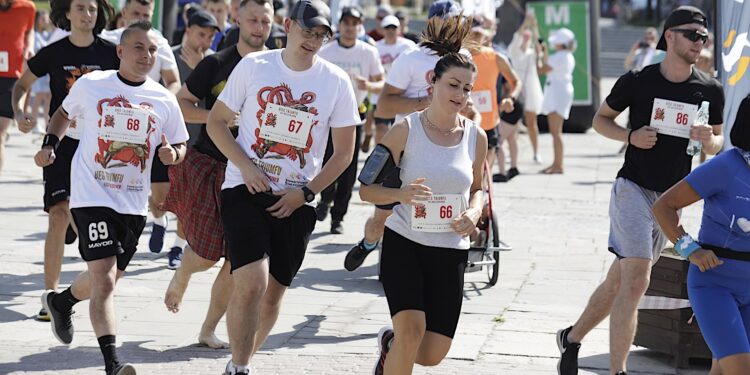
193 129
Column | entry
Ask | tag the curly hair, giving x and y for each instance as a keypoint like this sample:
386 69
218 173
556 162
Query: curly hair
59 10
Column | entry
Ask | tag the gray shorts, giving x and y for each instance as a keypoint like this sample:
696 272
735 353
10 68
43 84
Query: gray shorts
633 231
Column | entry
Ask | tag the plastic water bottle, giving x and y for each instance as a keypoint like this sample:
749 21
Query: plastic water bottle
694 146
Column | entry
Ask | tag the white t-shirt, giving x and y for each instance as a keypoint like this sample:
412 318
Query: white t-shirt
164 57
562 63
318 98
108 171
389 52
410 72
360 60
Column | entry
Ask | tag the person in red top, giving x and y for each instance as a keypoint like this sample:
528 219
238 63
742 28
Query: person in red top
16 45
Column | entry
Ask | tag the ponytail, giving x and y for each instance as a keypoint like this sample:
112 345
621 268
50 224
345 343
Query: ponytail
446 36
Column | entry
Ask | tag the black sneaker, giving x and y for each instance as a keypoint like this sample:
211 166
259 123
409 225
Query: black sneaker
321 211
513 172
42 315
62 324
568 363
156 242
356 256
499 177
231 370
336 227
70 235
123 369
384 339
622 373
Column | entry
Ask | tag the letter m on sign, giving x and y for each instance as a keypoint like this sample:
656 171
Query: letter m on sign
557 15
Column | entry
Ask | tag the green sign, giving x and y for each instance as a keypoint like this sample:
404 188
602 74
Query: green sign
574 15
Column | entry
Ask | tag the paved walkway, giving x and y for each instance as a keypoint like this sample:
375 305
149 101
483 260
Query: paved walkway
330 317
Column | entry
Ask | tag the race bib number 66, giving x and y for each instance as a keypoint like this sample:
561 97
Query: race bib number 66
436 214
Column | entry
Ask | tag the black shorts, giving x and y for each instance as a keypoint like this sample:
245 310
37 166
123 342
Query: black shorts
382 121
103 233
251 232
513 117
492 138
6 96
57 175
424 278
159 171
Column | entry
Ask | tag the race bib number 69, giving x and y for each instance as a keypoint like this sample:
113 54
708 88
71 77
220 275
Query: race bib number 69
436 214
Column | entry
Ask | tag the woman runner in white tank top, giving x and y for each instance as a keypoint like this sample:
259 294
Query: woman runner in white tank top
426 240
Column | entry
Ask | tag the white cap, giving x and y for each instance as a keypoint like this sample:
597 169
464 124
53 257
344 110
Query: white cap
390 21
561 36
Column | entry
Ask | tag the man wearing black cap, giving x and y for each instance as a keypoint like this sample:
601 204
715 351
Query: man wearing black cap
663 100
362 62
287 102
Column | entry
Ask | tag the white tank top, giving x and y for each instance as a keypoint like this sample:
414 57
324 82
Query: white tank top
447 170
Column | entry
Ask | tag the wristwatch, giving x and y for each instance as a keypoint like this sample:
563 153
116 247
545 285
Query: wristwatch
309 195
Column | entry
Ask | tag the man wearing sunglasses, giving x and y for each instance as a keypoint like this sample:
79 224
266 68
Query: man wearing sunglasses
663 100
287 102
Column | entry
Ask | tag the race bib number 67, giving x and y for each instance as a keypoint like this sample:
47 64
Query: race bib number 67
436 214
121 124
286 125
673 118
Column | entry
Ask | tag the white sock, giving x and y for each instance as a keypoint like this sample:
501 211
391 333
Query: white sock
233 369
161 220
179 242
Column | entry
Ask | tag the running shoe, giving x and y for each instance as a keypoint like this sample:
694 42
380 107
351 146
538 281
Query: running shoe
499 177
513 172
356 256
622 373
234 371
537 159
156 242
175 258
42 315
321 211
123 369
70 235
62 324
336 227
568 363
385 335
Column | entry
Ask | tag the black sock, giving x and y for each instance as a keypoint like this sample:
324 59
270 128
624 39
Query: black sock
107 346
65 300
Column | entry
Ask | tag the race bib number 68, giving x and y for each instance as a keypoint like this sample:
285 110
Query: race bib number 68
124 125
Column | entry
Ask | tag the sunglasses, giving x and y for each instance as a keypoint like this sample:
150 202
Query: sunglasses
692 35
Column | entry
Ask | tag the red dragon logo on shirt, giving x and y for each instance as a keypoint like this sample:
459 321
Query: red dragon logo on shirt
282 95
420 211
124 152
659 115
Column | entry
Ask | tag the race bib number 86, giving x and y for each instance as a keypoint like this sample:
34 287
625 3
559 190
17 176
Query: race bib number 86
673 118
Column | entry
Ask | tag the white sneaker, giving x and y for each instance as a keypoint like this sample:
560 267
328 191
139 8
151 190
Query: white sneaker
537 159
231 369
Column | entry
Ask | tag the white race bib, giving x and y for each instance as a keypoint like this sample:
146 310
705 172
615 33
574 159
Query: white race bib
436 214
482 100
673 118
286 125
4 63
121 124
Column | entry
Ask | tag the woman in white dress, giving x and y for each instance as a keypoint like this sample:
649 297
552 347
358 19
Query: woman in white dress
524 53
558 91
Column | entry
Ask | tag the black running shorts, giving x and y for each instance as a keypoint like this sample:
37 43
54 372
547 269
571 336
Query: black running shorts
159 171
103 232
57 175
424 278
515 116
6 96
251 232
492 138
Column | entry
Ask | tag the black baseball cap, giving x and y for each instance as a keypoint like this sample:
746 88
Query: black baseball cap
311 13
203 19
683 15
351 11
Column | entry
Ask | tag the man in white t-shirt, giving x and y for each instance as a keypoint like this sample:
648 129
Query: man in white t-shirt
389 48
122 116
288 101
166 70
362 62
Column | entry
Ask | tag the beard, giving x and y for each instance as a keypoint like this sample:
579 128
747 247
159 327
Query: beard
687 58
253 42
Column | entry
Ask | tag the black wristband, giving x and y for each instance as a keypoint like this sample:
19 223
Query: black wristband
629 134
51 140
177 153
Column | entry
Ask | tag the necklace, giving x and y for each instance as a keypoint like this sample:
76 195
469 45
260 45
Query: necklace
429 124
